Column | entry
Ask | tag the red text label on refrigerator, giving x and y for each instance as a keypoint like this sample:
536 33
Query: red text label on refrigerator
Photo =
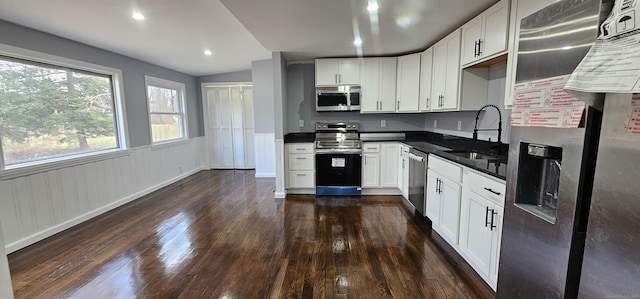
633 120
544 103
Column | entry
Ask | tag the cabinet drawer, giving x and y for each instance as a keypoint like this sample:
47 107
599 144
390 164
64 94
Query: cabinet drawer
449 170
301 161
371 147
300 148
302 179
487 187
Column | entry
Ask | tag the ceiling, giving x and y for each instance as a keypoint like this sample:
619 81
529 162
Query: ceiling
175 34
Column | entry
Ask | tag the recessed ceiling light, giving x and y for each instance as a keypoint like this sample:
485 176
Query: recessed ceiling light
357 42
138 16
208 52
372 7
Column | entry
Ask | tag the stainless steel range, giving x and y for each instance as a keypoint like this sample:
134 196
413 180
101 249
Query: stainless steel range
338 159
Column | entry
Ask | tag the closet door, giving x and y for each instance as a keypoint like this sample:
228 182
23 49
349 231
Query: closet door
249 128
237 127
219 129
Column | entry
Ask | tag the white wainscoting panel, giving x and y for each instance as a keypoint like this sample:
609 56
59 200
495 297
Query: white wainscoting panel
6 290
37 206
265 153
281 192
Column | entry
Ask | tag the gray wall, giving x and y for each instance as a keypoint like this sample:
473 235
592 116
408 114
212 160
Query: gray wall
301 106
133 72
448 121
241 76
263 97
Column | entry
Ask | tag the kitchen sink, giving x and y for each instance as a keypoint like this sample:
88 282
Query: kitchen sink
471 155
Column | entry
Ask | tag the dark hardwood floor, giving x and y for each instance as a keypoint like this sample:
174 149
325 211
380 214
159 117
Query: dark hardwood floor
221 234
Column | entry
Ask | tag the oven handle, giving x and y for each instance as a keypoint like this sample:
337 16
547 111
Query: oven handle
338 151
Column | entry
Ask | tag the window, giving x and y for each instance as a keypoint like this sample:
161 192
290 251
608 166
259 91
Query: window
167 117
54 109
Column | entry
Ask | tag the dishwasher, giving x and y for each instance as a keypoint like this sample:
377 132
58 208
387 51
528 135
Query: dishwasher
417 179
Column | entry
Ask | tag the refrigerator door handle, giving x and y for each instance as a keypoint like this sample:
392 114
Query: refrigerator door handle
486 217
493 213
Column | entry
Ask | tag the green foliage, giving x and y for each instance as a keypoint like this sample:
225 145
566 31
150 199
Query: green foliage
37 101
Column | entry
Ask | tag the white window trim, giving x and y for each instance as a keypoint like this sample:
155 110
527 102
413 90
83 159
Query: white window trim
180 87
29 168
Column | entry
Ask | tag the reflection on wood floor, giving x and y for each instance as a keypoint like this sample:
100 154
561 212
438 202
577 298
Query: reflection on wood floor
221 234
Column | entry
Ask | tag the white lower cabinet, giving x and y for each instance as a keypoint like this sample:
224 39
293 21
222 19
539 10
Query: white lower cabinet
481 224
466 208
300 167
380 165
403 170
443 198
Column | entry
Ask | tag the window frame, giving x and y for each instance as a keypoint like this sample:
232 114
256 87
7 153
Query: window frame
181 93
120 120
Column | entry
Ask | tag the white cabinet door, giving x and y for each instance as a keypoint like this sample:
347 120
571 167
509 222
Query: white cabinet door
371 170
446 73
475 236
370 85
389 165
452 76
496 240
378 82
486 34
471 35
403 170
450 210
495 29
426 71
408 83
326 72
348 71
388 74
433 201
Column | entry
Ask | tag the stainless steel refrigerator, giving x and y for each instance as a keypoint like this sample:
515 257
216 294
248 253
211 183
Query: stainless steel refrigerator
572 213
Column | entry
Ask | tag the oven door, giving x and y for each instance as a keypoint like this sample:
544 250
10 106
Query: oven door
338 174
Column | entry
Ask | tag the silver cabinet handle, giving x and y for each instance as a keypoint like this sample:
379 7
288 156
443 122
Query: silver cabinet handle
479 47
301 174
493 213
398 105
300 158
486 217
427 105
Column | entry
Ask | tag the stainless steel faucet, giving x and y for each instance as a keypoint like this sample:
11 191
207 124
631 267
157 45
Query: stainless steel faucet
499 129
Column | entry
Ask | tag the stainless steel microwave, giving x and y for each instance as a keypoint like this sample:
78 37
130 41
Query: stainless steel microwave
338 98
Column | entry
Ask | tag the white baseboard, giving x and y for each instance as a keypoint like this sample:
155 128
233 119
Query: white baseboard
381 191
41 235
266 175
280 194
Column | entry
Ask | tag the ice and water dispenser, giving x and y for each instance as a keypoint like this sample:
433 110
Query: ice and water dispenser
539 180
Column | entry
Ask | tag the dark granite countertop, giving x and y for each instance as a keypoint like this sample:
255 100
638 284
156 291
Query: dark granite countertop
439 145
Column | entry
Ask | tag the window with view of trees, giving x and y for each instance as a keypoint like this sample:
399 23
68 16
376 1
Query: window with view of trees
49 111
166 110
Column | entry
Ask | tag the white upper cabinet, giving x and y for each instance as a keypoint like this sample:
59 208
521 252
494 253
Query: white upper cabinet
378 82
446 73
486 35
426 71
337 72
408 83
